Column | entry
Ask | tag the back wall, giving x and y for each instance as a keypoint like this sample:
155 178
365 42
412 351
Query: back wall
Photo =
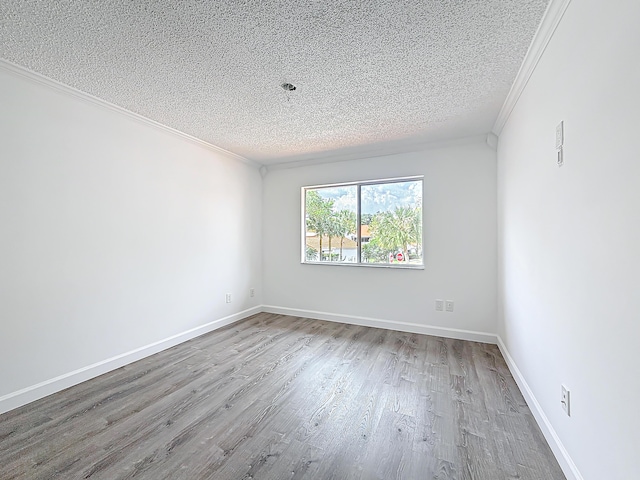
459 236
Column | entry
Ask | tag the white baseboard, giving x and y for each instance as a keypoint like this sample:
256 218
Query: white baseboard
564 459
566 463
53 385
386 324
43 389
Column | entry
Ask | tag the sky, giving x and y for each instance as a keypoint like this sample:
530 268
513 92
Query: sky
375 198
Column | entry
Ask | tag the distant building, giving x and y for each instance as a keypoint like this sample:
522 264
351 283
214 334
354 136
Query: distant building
364 234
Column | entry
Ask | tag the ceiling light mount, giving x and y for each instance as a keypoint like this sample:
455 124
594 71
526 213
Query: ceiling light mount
288 87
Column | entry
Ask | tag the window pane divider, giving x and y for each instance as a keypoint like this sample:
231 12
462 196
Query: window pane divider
358 225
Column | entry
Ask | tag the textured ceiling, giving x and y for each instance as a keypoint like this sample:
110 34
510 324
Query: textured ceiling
368 72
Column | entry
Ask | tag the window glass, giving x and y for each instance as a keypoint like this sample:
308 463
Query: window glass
389 216
330 221
391 223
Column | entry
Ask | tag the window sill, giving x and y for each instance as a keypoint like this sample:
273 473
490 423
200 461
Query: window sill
366 265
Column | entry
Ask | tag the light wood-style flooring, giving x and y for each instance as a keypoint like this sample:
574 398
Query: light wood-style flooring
277 397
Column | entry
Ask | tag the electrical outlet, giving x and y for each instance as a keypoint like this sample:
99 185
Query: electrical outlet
566 400
449 304
439 305
228 298
252 292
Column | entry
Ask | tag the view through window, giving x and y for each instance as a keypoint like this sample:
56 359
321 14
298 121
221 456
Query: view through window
371 223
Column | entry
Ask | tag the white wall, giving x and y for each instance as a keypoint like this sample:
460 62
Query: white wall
460 243
115 234
569 237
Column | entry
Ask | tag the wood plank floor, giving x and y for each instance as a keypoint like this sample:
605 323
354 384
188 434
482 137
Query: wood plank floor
277 397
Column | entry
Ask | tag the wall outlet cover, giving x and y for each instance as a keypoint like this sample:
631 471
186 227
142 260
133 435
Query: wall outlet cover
565 400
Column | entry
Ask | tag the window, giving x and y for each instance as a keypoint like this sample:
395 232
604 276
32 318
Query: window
374 223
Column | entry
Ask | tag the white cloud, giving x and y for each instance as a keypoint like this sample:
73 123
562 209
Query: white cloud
375 198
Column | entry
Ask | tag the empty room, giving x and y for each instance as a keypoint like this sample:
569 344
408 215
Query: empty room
319 239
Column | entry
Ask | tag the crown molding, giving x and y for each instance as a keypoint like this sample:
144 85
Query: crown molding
550 20
492 140
372 151
40 79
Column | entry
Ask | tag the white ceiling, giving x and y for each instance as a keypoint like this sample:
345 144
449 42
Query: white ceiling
368 73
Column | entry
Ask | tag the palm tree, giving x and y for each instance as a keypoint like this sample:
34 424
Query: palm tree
404 217
416 229
333 229
395 230
346 223
318 210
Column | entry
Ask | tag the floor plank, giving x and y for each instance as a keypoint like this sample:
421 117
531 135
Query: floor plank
279 397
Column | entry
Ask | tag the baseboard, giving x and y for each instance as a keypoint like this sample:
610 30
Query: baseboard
564 459
566 463
386 324
43 389
48 387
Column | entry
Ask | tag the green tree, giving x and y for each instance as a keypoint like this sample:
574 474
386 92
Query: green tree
394 231
346 224
365 218
416 228
333 229
318 213
372 252
311 253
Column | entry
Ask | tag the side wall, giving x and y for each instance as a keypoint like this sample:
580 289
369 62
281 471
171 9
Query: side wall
116 235
460 247
569 237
